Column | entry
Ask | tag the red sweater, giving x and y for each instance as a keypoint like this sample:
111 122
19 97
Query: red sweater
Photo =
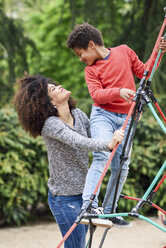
106 77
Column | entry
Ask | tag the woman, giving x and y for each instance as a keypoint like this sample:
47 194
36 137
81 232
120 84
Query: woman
46 109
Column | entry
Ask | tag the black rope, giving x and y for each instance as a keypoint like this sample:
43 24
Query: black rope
103 237
91 230
123 158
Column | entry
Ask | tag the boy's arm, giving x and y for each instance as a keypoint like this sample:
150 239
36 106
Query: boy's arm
138 67
98 94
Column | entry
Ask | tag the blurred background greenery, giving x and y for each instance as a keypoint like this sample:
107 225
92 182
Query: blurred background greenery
33 35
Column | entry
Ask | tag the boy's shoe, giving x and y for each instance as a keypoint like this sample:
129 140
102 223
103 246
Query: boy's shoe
97 221
119 222
96 210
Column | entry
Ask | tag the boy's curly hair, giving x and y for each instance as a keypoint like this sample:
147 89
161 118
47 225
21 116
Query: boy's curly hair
82 34
32 103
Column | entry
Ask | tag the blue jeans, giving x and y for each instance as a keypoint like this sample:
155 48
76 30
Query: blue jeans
103 124
65 210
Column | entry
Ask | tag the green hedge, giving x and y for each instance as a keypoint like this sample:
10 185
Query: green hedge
23 170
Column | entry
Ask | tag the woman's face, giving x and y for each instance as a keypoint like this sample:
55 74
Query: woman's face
58 94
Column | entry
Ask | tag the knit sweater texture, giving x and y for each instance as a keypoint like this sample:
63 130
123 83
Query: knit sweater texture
67 149
105 78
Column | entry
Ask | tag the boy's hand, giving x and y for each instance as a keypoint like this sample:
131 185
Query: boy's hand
127 94
162 44
117 138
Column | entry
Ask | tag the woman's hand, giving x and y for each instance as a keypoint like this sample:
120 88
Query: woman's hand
127 94
117 138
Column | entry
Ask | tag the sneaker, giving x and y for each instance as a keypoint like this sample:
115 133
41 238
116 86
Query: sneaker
120 222
97 221
96 210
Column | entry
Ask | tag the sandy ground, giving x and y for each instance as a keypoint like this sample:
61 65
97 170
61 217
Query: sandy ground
47 235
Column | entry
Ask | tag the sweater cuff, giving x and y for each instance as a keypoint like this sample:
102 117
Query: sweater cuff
115 93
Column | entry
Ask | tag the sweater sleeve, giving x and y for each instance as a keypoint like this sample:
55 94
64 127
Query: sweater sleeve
56 129
138 67
86 122
98 94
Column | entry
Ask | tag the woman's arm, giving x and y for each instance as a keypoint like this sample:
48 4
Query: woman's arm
56 129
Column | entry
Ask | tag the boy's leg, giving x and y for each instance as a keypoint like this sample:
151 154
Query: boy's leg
93 176
102 127
123 177
114 170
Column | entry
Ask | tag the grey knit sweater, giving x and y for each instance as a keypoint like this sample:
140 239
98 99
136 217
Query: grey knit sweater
67 149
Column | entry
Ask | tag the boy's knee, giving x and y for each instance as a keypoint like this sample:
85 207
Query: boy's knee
101 156
124 174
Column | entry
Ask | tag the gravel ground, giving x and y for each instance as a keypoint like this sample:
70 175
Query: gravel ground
47 235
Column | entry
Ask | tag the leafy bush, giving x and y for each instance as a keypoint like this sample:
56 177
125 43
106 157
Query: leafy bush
24 167
23 170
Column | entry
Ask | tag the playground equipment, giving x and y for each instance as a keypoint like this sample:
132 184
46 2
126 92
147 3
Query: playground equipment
143 96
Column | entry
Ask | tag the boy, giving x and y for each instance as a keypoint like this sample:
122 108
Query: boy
109 76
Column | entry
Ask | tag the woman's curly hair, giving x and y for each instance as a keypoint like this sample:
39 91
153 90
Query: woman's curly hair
32 103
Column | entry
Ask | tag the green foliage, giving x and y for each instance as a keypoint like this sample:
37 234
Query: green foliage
13 57
34 33
49 32
23 170
24 167
33 37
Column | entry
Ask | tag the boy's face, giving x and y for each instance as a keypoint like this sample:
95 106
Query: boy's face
88 56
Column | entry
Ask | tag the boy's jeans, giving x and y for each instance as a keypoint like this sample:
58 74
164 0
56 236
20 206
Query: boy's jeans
103 125
65 210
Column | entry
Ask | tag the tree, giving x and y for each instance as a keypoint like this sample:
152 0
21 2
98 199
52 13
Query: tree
13 58
141 26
